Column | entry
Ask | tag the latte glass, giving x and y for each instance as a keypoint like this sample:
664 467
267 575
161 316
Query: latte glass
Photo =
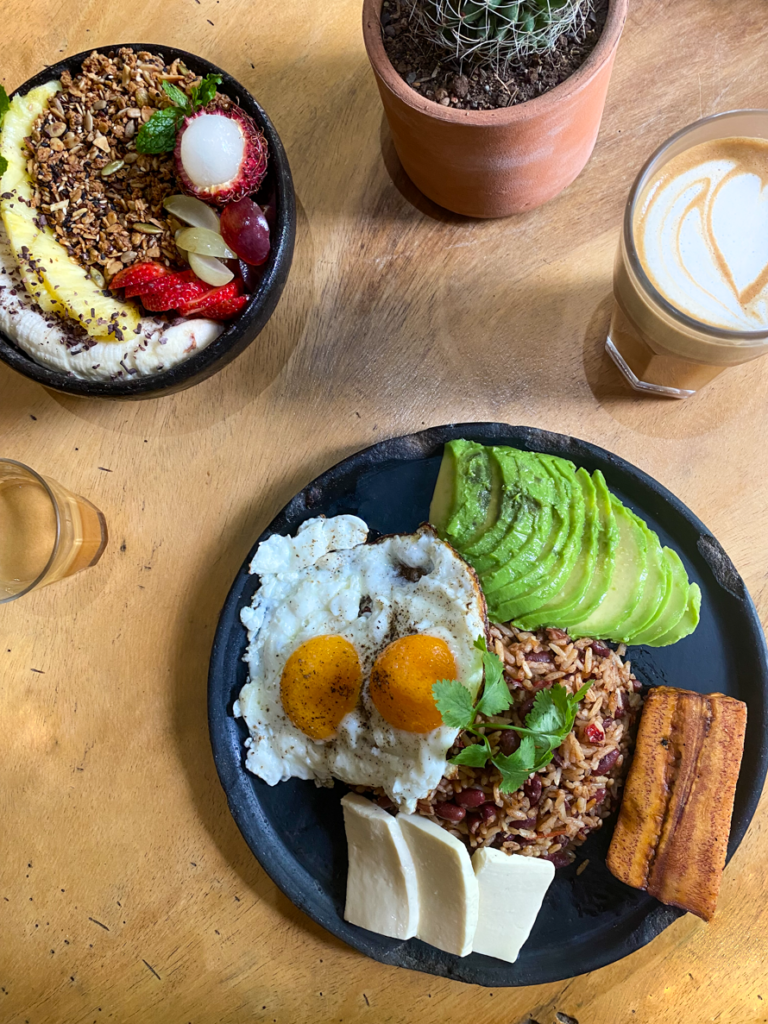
46 531
659 349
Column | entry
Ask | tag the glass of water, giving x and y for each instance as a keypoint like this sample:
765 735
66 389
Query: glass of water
46 531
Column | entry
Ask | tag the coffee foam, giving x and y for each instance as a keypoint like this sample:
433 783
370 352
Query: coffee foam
701 231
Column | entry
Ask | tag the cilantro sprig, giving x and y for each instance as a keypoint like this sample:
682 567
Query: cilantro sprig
5 106
158 135
546 725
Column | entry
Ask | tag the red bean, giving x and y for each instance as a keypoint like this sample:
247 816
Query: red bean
526 823
525 707
450 812
539 656
558 758
600 650
532 789
474 821
470 797
556 634
606 722
594 733
489 812
509 742
560 859
522 840
637 685
607 763
599 795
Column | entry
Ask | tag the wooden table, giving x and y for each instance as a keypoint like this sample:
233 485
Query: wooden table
126 891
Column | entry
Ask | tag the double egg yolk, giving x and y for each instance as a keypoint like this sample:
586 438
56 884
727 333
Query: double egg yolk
322 679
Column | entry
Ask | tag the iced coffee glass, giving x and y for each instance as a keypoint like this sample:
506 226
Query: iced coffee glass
46 531
659 347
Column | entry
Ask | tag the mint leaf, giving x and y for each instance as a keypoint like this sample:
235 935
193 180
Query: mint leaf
496 696
205 92
158 135
515 768
474 755
177 97
454 702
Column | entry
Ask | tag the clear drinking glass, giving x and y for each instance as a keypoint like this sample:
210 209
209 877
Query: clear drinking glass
659 349
46 531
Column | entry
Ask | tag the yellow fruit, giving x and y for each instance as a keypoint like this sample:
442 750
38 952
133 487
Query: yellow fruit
55 281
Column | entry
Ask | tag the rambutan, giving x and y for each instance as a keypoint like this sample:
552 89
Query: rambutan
221 155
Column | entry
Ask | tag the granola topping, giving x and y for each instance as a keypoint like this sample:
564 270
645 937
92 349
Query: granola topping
100 196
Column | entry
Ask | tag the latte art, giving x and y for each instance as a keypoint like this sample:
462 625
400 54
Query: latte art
701 231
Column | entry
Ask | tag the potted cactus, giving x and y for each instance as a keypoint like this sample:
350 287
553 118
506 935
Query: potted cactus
493 105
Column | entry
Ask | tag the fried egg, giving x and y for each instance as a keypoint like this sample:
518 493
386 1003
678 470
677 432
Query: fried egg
346 639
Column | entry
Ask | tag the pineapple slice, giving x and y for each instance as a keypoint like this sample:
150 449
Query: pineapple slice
16 126
55 281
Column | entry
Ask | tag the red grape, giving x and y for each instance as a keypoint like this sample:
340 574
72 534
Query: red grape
251 275
245 230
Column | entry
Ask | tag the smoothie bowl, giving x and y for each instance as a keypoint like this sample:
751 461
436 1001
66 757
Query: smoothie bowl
147 222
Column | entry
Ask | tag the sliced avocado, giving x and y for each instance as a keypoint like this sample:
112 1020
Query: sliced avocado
655 590
515 517
502 588
479 489
462 496
563 566
537 494
444 497
688 621
608 539
629 575
674 605
577 583
521 531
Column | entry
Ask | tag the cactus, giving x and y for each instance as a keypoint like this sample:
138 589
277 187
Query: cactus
497 31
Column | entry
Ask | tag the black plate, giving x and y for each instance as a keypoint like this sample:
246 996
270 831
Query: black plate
296 830
245 327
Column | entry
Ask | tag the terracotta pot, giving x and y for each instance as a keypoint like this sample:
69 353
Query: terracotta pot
493 163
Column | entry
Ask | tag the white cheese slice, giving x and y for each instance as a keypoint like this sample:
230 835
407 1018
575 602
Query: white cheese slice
382 894
448 891
512 889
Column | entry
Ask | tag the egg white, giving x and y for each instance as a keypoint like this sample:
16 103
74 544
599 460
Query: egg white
328 580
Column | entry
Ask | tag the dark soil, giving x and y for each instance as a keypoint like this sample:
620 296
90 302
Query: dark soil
432 73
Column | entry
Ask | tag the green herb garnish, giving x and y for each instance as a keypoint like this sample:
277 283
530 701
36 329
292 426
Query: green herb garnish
5 106
546 725
205 92
158 135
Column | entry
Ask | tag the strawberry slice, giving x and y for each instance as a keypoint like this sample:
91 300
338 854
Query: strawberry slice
215 296
171 279
137 275
227 309
176 295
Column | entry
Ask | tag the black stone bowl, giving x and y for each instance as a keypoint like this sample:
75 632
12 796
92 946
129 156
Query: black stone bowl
243 330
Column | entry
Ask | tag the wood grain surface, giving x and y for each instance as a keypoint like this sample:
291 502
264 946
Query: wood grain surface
126 891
